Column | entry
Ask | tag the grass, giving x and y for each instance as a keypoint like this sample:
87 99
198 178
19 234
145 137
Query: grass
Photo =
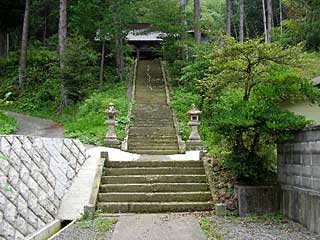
100 224
272 218
311 65
205 224
85 120
8 125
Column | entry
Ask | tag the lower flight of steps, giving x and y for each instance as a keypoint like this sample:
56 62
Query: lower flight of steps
154 186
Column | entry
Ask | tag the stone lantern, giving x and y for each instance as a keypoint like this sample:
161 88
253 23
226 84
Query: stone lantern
111 137
194 142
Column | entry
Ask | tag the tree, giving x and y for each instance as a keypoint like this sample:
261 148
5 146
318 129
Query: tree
229 15
270 20
241 24
62 38
244 85
197 13
24 47
264 21
103 50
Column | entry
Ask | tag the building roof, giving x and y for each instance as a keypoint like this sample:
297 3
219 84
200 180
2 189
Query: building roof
144 36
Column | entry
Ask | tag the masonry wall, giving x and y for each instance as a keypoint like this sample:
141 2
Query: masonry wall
299 175
35 173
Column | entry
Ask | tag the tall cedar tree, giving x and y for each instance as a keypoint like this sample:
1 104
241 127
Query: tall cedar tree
197 31
24 47
241 25
62 38
229 15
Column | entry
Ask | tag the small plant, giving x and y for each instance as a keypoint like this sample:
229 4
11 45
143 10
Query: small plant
205 224
8 125
99 223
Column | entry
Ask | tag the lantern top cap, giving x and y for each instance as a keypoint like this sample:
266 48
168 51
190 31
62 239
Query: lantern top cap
111 109
194 111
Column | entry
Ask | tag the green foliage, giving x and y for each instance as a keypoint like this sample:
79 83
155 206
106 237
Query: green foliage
79 66
205 224
88 122
242 87
8 125
99 223
41 86
181 102
303 23
84 16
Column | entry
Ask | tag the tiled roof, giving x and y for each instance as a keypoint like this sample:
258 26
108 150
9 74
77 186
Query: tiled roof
141 35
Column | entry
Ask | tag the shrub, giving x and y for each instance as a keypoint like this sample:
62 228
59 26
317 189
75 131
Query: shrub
242 87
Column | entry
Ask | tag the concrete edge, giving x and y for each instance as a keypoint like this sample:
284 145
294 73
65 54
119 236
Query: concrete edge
168 87
124 144
96 183
47 231
61 230
308 191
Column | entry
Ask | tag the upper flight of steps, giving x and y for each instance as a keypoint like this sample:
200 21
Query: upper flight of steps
152 128
154 186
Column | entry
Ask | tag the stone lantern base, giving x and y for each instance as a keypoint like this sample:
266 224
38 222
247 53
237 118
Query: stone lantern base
194 145
112 143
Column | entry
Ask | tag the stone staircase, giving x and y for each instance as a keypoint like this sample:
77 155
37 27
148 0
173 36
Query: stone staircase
152 128
154 186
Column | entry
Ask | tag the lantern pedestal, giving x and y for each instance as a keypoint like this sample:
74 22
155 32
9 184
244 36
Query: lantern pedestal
194 142
111 139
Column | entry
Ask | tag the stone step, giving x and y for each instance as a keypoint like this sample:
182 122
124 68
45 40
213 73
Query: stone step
151 135
154 179
155 197
154 171
162 139
153 164
146 146
152 142
155 207
154 187
154 152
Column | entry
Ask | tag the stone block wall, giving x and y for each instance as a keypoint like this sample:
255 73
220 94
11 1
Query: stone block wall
299 176
35 173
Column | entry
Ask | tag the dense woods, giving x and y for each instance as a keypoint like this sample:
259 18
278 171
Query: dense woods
66 59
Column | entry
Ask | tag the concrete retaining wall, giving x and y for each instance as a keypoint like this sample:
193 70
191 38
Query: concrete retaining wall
299 175
35 173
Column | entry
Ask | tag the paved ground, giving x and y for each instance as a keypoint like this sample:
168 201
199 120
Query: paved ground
246 229
37 126
158 227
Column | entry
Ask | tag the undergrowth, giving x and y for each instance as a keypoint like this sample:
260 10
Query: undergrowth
8 125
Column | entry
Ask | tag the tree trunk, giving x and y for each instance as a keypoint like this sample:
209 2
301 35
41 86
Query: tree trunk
270 20
281 18
44 33
197 33
229 14
8 46
62 38
102 65
120 57
241 25
3 44
264 21
24 47
183 4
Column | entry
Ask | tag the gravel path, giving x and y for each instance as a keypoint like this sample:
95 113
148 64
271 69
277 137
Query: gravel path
33 126
75 232
246 229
